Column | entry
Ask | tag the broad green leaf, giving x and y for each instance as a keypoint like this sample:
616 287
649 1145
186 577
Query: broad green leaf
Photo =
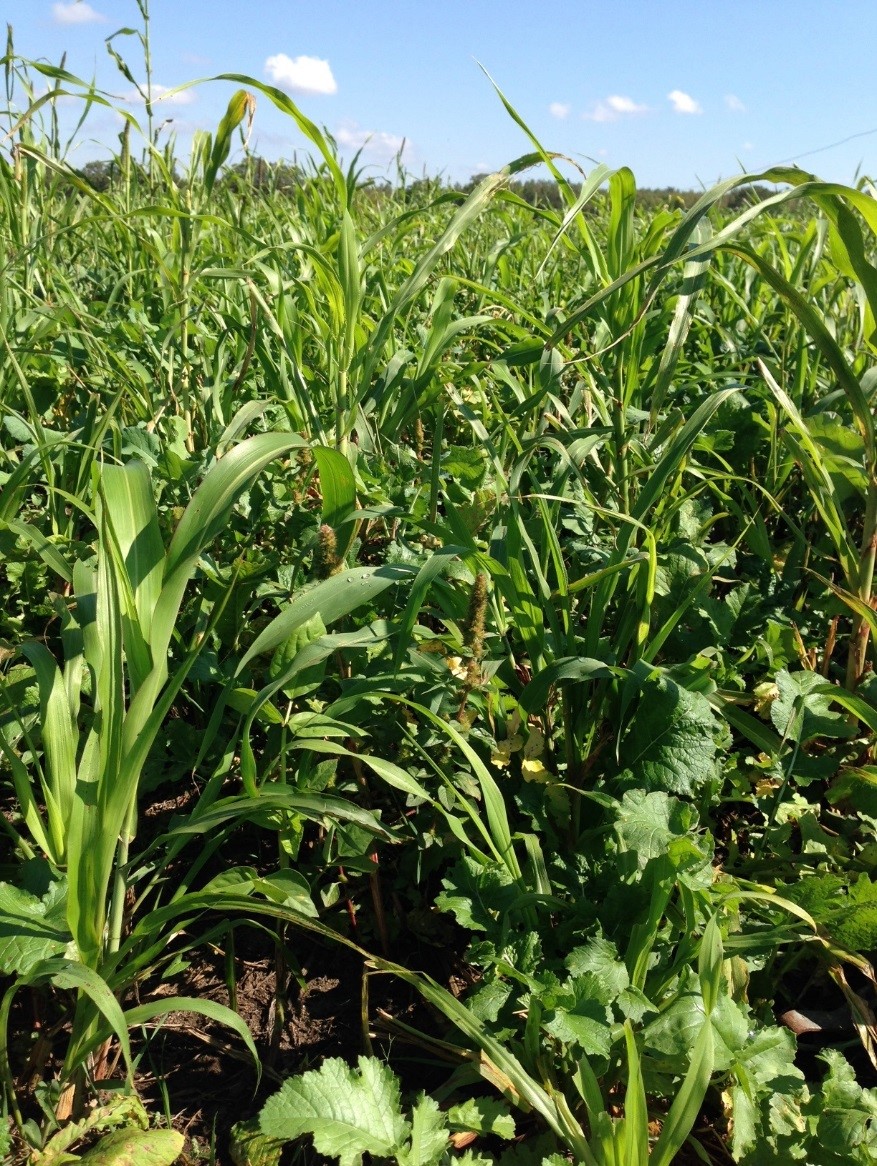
599 958
429 1135
586 1024
648 823
802 710
330 599
286 652
484 1115
31 929
348 1112
669 744
338 487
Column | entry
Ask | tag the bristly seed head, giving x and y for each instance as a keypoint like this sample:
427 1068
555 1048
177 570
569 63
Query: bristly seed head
326 554
474 633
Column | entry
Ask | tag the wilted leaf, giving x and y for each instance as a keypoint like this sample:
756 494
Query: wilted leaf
133 1147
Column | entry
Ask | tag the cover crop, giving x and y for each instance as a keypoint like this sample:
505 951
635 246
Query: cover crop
431 579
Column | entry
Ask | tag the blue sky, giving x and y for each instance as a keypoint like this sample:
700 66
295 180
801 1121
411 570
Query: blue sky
683 92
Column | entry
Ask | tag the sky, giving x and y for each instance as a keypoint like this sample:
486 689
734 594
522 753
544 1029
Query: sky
684 92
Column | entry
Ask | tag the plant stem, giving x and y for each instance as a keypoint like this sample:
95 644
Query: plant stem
868 553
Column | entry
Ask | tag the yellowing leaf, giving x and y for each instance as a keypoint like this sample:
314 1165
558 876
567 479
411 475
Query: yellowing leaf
534 770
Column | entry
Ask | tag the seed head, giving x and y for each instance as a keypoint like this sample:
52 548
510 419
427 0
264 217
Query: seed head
326 554
474 634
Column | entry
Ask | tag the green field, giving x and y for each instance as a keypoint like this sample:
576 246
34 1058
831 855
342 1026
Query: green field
458 599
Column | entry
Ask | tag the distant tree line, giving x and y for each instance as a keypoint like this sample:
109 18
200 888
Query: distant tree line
546 192
255 173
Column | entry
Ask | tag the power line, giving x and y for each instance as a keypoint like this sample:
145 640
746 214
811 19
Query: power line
831 146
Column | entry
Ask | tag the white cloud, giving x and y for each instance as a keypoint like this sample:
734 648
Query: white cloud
186 97
748 146
682 102
76 12
614 107
375 145
559 109
734 104
301 74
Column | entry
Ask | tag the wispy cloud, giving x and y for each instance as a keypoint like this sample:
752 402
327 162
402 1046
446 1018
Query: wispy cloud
376 145
734 103
683 102
76 12
301 74
613 107
559 109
